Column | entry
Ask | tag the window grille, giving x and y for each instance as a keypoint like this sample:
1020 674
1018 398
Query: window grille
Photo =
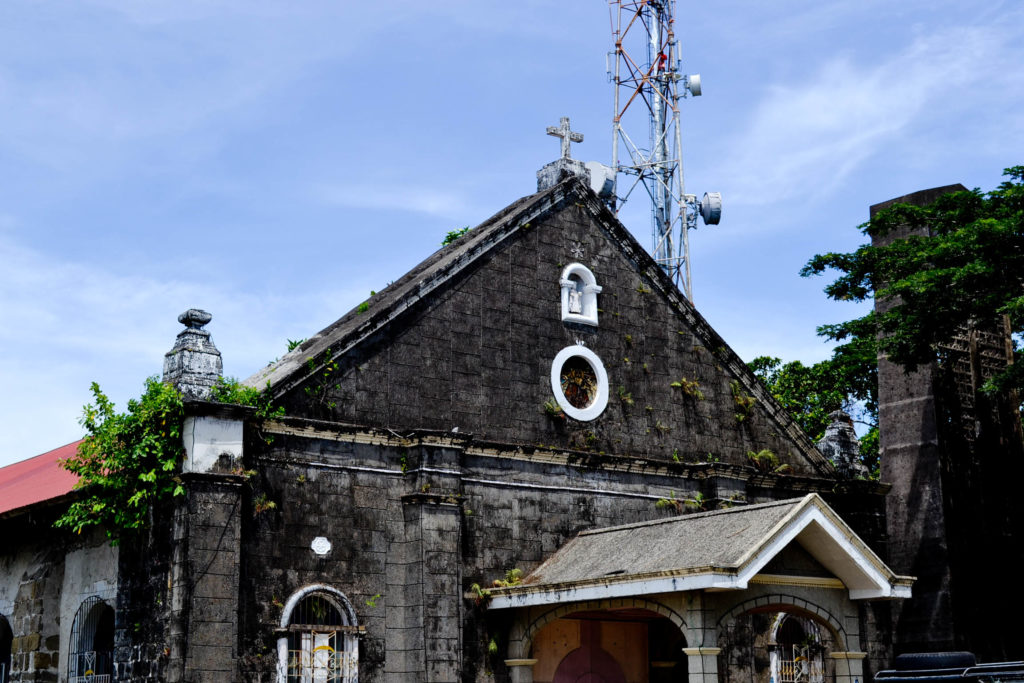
798 655
322 642
91 655
800 665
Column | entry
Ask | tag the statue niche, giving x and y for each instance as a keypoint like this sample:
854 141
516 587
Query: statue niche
579 295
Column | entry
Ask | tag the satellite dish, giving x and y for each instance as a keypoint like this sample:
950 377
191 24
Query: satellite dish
693 84
711 208
602 178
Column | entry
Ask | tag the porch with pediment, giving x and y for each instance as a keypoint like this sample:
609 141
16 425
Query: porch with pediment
757 593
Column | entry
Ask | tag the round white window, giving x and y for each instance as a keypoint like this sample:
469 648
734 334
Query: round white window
579 382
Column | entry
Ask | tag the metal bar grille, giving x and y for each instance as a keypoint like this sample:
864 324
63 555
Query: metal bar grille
322 647
91 655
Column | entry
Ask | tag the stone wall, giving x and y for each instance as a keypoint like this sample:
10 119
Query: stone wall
476 355
418 519
45 575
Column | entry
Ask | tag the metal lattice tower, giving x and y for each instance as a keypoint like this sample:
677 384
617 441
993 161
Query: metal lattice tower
648 87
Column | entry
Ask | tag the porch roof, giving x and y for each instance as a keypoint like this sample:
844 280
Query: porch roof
720 550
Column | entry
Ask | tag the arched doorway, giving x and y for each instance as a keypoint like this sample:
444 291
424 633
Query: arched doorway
320 644
776 644
615 645
91 657
6 640
798 650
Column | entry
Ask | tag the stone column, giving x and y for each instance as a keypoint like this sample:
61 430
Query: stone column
849 666
702 664
207 555
520 670
423 573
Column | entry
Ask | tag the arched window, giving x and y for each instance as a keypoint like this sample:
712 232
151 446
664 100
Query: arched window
6 640
91 657
320 642
579 294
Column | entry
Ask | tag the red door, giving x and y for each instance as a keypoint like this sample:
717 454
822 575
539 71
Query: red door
589 663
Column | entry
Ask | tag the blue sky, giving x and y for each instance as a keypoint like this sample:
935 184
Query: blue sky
273 162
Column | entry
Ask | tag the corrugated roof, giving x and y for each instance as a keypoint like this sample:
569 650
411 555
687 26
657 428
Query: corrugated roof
36 479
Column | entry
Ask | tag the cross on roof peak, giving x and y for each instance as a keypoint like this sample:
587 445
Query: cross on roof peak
562 131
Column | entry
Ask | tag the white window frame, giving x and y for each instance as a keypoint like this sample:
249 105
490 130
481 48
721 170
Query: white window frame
349 636
600 402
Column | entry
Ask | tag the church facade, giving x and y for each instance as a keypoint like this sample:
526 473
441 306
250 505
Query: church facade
528 459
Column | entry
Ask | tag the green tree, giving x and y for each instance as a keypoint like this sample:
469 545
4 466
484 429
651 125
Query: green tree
131 461
968 270
128 460
809 393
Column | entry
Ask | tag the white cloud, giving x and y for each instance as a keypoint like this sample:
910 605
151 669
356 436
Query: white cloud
443 203
805 139
68 324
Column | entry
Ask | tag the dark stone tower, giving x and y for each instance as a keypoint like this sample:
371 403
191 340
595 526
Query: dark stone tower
953 457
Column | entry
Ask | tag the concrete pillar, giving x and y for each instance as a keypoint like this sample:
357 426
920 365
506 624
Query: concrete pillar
702 664
208 581
207 548
520 670
849 666
423 573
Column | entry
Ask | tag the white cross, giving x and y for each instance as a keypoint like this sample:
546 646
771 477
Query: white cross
562 131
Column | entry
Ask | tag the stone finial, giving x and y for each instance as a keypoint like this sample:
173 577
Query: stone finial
565 166
842 447
194 365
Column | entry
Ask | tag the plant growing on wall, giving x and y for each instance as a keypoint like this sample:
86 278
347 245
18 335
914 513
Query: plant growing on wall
127 462
690 387
130 461
320 387
453 235
230 390
744 401
767 462
553 410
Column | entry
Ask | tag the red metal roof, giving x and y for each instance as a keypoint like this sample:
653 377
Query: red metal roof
36 479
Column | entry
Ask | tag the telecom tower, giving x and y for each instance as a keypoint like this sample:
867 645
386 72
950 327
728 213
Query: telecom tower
648 87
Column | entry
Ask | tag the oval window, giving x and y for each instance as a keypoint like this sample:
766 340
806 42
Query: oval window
579 383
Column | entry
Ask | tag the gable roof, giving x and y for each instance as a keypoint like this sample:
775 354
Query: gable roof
37 479
444 265
720 550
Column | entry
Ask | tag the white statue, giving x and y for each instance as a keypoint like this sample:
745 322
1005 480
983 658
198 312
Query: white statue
575 301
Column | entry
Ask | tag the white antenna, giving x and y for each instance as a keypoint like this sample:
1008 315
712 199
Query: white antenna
647 86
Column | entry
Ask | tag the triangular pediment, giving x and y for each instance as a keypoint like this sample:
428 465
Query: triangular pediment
468 339
722 550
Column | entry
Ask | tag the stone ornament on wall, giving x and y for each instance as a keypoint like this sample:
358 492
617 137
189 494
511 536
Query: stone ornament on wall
579 294
579 383
320 545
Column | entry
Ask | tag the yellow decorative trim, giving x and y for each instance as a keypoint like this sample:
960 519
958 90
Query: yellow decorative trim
788 580
847 655
520 662
708 651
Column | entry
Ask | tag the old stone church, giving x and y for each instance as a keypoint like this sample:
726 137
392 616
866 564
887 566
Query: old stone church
528 459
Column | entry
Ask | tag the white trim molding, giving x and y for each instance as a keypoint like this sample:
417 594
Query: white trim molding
600 401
